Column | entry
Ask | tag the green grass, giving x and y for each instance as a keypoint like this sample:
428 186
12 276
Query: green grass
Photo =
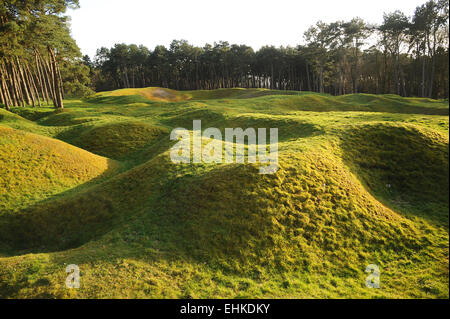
363 179
35 167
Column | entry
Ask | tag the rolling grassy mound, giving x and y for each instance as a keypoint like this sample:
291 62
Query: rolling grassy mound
355 102
90 212
150 94
34 167
403 164
117 139
67 117
11 120
8 117
311 210
363 179
283 100
167 95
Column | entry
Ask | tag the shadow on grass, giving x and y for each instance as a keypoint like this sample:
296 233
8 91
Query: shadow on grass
124 99
405 167
74 217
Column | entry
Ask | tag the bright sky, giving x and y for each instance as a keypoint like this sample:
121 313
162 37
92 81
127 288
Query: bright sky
253 22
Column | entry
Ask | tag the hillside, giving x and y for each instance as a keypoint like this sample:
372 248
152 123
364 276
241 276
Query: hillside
363 179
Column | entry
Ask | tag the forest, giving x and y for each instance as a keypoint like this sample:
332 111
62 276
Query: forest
39 60
407 56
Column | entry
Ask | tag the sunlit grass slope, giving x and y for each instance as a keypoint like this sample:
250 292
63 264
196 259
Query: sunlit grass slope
116 140
34 167
403 164
363 179
167 95
301 101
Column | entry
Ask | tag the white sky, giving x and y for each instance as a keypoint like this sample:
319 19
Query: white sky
253 22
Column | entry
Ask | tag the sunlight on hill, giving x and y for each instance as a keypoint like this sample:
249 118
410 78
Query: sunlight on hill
33 167
152 94
363 179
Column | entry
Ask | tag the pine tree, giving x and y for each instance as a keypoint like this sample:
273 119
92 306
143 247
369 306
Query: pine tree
34 39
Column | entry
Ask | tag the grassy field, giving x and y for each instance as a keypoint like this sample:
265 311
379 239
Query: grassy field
363 179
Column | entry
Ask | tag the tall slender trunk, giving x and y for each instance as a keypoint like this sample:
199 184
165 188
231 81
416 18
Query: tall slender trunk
34 90
3 97
308 77
24 83
7 86
41 79
423 77
433 73
356 75
402 80
321 80
56 79
17 86
394 65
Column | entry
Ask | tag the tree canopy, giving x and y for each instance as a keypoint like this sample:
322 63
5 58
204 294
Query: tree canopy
408 56
404 56
34 40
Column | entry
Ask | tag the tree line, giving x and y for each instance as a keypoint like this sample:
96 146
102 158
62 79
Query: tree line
35 42
41 63
404 55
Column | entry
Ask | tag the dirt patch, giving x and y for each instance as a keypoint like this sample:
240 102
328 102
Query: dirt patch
161 94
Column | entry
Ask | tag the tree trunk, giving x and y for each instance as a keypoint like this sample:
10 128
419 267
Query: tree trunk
56 80
25 84
423 76
433 73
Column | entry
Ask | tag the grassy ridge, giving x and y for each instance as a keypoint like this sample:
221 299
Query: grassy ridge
34 167
363 179
290 100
